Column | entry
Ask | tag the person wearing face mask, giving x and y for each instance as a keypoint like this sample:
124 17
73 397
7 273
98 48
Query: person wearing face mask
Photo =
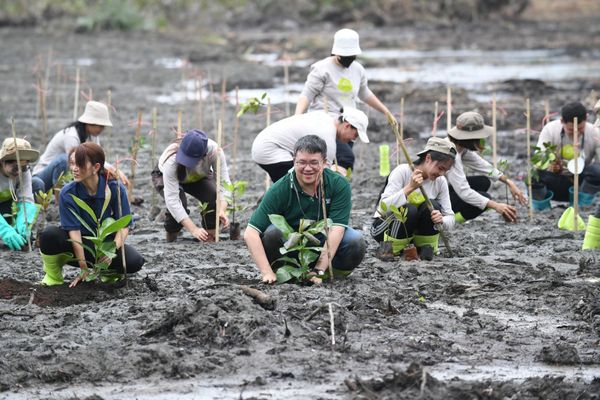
336 82
402 191
14 231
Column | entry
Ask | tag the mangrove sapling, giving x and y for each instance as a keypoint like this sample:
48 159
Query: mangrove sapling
43 199
541 159
236 190
204 211
101 248
253 104
401 214
64 178
304 245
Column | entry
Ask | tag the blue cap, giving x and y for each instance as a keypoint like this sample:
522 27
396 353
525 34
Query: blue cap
192 149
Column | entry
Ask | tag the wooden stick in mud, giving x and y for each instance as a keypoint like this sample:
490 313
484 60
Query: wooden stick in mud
212 101
120 215
494 133
528 133
134 152
286 83
435 120
42 97
76 103
236 128
218 180
576 175
326 226
22 188
179 133
267 177
332 325
200 104
448 109
438 227
401 138
223 96
260 297
154 199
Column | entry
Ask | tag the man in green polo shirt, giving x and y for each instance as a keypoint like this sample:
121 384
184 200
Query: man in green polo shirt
298 195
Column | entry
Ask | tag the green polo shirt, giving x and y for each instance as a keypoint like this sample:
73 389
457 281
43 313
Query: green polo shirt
286 198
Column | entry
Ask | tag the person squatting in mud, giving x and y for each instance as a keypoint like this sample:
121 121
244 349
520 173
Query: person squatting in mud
67 244
299 195
188 166
468 195
273 148
336 82
88 127
402 191
559 135
16 201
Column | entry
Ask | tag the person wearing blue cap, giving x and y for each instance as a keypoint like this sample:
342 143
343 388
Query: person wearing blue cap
188 166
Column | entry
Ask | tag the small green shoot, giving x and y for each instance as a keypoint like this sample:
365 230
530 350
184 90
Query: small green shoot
399 213
204 211
43 199
252 105
236 190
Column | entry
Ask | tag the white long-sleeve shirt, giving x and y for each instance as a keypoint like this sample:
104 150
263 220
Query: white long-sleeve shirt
457 178
335 85
204 169
61 143
275 143
10 186
591 146
436 190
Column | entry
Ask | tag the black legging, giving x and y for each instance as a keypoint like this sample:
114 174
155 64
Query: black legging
418 220
54 240
480 184
278 170
344 154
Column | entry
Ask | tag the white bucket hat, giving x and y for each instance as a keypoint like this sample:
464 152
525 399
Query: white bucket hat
95 113
345 43
357 119
8 152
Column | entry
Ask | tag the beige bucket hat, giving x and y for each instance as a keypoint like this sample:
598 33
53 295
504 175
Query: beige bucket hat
95 113
8 152
440 145
469 125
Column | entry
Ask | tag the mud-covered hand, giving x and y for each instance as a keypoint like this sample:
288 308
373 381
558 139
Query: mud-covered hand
517 194
32 210
556 166
10 236
269 277
506 210
223 219
83 274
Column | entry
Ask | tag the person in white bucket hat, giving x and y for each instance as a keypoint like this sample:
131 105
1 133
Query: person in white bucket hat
53 161
14 231
336 82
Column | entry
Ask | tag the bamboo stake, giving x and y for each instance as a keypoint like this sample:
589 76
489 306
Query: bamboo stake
42 97
212 101
267 177
120 205
223 96
448 109
134 151
401 138
76 103
326 226
286 83
154 199
236 128
218 180
332 326
179 132
200 103
494 133
439 227
575 175
21 187
528 133
109 128
435 119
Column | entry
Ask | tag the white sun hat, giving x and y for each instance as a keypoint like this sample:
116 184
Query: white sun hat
95 113
357 119
345 43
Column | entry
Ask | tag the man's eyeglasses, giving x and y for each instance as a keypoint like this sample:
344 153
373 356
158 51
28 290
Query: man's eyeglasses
311 163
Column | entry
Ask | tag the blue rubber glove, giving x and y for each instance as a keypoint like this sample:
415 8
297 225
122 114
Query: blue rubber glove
10 236
32 209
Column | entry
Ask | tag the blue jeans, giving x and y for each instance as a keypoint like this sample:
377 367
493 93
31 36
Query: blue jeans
348 256
37 185
49 175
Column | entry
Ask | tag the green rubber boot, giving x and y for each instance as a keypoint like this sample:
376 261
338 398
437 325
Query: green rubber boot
591 240
459 219
397 244
53 268
431 240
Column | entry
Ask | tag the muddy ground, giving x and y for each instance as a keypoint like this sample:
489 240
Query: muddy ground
515 313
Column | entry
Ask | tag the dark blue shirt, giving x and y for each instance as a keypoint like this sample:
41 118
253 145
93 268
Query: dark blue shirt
69 222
